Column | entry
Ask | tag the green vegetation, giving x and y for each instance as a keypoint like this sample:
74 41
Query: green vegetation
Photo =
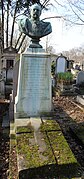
53 64
50 125
28 152
66 77
53 135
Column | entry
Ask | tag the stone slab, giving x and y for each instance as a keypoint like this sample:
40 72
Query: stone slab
34 84
42 156
80 99
22 122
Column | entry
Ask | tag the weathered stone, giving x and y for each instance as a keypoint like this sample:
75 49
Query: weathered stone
80 99
61 64
45 153
80 78
34 84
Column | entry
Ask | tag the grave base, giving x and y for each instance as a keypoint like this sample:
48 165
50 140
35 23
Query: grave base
42 150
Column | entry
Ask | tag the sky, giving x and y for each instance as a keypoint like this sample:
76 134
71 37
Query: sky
63 36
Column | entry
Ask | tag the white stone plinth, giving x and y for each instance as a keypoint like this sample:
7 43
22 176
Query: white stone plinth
34 84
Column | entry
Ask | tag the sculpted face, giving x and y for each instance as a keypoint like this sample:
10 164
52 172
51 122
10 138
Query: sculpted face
34 27
35 11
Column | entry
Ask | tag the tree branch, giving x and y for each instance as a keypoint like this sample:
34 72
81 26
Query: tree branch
18 40
21 42
52 17
75 12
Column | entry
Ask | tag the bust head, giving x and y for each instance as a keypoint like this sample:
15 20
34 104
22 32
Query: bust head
34 27
35 11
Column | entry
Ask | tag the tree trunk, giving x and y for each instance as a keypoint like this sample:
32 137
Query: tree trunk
7 25
12 32
2 5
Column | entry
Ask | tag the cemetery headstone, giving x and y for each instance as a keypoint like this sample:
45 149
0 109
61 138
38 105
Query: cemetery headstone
61 64
80 78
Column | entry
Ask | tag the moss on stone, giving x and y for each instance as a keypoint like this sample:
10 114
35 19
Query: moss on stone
30 152
58 153
24 129
61 149
49 125
12 136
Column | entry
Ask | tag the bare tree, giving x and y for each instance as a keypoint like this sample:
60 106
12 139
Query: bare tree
70 11
11 10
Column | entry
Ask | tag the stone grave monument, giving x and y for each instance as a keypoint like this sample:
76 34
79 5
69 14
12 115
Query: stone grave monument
80 78
61 64
34 99
34 79
80 83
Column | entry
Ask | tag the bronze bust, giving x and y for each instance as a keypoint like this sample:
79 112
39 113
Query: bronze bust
34 27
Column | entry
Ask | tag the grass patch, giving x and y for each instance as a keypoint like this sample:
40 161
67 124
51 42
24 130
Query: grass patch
67 77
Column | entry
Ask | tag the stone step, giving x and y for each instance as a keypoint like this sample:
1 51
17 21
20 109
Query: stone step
43 152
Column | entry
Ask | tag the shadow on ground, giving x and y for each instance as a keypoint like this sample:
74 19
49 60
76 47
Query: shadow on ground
53 171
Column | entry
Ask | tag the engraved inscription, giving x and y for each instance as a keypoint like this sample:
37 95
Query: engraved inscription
36 79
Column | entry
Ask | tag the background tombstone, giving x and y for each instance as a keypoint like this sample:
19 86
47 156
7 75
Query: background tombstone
80 78
83 65
61 64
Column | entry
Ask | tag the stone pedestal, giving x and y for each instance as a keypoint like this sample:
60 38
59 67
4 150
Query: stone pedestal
34 84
